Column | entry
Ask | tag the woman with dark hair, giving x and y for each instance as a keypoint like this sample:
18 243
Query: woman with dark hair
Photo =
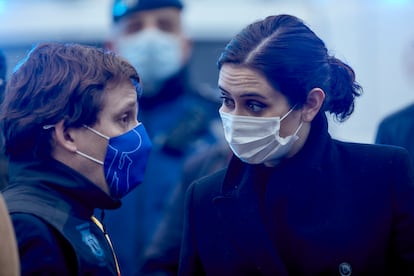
294 201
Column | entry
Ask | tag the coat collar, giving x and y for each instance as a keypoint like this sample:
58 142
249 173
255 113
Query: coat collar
54 179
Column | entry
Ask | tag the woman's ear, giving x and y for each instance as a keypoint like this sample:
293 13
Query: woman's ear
313 104
64 137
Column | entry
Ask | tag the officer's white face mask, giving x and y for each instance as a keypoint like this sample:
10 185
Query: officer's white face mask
156 55
256 140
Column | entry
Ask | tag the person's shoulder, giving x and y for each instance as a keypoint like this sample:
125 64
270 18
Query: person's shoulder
208 185
28 226
373 152
400 115
212 177
373 162
41 247
34 232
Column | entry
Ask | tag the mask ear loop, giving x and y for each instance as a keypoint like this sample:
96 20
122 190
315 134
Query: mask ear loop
46 127
299 127
96 132
90 157
301 122
284 116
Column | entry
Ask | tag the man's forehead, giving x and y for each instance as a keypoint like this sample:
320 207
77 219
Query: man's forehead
169 13
158 18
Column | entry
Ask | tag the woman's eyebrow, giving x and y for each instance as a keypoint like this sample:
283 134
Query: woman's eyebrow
252 94
246 94
223 90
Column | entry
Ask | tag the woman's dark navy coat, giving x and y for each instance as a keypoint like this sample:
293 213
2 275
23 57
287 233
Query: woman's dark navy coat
335 208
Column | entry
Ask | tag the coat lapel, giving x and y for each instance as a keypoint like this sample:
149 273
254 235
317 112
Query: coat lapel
243 220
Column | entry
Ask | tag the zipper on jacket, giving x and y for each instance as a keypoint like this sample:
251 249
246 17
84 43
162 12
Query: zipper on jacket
99 224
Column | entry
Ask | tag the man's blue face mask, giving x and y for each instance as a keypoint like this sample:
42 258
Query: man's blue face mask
125 160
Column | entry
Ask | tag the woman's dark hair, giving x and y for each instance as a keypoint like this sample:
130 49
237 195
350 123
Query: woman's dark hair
294 61
56 81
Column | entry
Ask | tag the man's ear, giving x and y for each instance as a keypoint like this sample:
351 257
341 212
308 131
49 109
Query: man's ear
313 104
65 137
187 49
110 45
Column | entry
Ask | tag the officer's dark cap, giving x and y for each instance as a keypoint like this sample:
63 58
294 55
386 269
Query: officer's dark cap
122 8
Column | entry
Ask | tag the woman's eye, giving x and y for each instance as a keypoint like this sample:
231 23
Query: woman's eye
227 102
255 106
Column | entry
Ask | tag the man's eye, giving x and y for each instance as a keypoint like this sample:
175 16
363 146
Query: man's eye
125 119
133 28
166 26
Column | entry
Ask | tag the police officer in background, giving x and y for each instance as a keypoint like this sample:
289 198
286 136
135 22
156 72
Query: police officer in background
397 128
182 121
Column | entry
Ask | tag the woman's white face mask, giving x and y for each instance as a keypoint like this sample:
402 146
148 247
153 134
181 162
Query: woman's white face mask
256 140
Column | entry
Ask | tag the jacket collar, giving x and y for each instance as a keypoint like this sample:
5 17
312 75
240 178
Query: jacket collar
172 89
52 178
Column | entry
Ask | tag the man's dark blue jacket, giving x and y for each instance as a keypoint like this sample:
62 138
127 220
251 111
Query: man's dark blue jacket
51 207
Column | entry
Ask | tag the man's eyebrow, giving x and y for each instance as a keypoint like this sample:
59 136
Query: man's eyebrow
128 106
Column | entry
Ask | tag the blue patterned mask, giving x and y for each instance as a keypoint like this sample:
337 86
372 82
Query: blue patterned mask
125 161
